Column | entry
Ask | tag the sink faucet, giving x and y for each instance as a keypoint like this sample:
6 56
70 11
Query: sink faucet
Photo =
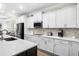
2 38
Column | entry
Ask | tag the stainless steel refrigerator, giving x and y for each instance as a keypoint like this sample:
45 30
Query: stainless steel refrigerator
20 30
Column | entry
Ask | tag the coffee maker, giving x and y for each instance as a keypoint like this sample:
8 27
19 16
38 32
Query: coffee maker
60 33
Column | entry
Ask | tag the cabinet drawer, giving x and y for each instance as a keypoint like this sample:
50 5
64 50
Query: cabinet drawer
61 42
61 50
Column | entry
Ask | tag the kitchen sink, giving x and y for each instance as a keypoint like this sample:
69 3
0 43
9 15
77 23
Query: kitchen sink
10 39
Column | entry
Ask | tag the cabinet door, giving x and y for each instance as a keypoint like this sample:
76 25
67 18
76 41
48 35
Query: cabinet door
37 17
36 39
42 44
45 20
46 44
49 45
74 49
27 22
61 48
66 17
51 21
78 15
30 22
20 19
71 17
60 18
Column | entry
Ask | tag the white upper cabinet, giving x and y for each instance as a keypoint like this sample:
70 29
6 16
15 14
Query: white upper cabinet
49 20
20 19
34 17
66 17
37 17
45 20
30 21
60 18
26 23
78 15
71 18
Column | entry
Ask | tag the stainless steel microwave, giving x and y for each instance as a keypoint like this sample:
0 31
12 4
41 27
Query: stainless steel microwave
38 24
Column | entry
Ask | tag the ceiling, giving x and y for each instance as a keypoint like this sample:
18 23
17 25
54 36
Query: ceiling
22 7
8 10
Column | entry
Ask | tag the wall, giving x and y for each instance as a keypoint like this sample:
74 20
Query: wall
67 32
8 25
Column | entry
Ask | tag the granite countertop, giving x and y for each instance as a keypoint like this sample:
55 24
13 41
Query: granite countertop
62 38
59 38
9 48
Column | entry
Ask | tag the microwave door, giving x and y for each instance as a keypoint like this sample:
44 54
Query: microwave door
38 25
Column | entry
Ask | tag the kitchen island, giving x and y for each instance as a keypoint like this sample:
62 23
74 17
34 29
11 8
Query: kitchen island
17 47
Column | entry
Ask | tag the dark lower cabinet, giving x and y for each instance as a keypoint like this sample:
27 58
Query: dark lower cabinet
29 52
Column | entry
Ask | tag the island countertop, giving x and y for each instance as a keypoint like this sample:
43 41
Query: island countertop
9 48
